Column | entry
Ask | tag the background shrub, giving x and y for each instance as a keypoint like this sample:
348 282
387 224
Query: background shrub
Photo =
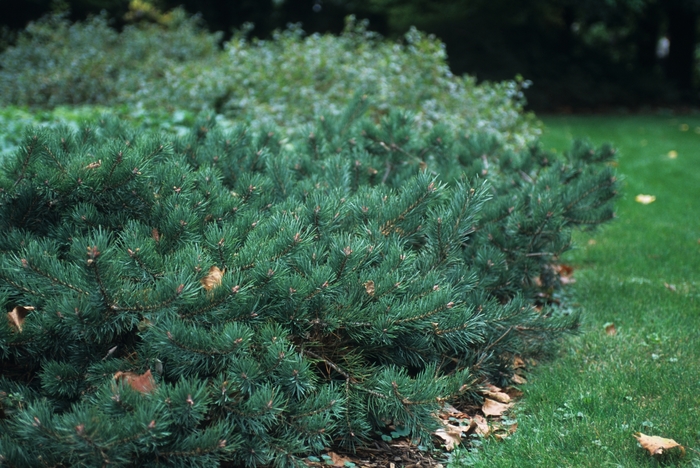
286 80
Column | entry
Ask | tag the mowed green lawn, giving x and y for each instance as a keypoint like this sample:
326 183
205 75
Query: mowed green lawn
642 274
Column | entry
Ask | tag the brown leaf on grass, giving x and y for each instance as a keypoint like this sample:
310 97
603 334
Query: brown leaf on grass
518 379
494 408
657 445
565 272
482 426
452 435
143 383
501 432
513 427
514 392
495 393
213 278
17 315
645 199
610 329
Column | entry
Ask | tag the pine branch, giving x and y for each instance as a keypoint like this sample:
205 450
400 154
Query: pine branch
54 280
29 152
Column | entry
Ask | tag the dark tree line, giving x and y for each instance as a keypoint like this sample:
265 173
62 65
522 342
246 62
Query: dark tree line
578 53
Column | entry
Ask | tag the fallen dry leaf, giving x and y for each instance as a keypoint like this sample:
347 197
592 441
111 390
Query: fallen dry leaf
672 154
645 199
514 392
610 329
337 460
656 445
143 383
448 408
503 432
518 362
494 408
213 278
17 315
496 393
513 427
518 379
566 273
452 435
482 426
670 287
369 287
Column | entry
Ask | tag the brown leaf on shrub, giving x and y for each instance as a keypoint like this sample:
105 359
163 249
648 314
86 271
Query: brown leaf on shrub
369 287
657 445
144 383
213 278
17 315
494 408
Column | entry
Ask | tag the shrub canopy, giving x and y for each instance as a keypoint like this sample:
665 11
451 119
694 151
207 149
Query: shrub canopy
255 296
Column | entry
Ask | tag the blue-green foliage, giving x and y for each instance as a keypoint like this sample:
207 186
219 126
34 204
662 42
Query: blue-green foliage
370 269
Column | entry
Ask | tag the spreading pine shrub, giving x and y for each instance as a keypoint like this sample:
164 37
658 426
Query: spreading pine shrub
255 296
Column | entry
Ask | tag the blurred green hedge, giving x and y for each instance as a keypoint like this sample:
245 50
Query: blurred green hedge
179 66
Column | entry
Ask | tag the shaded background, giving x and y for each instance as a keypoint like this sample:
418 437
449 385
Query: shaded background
581 55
